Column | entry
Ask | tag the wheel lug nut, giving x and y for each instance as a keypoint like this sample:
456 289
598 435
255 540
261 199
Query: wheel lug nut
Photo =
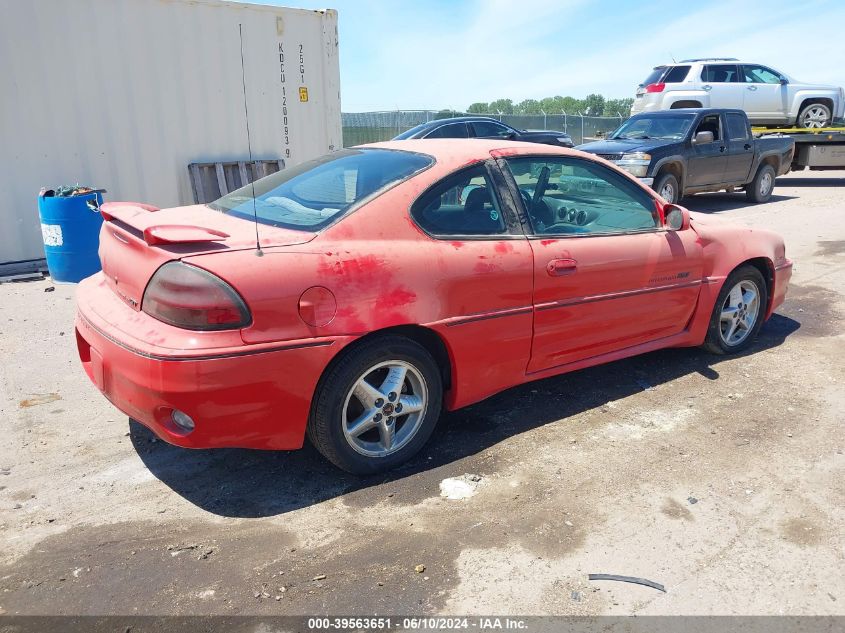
380 402
391 396
377 417
398 408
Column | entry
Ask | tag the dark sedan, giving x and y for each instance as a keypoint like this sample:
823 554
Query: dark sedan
483 127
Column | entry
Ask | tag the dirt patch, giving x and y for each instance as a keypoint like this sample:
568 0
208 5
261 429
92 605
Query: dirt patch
801 532
831 247
234 568
43 398
815 308
675 510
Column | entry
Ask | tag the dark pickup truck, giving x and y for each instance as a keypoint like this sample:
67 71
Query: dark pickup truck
695 150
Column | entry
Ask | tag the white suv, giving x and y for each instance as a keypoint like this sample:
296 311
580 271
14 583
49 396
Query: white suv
768 97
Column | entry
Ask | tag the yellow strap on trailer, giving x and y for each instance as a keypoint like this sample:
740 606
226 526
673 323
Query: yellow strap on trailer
797 130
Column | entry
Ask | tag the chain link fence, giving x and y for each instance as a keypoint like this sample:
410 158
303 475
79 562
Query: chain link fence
371 127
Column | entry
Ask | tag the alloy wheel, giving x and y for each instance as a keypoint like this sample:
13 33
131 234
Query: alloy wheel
814 117
739 312
385 408
766 182
667 192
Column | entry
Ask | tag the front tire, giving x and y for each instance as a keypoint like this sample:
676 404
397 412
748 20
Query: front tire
377 406
738 313
814 115
668 189
760 189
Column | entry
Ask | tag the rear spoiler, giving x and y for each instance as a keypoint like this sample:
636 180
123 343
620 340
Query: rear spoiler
127 212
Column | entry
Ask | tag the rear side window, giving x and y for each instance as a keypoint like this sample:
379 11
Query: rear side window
453 130
461 204
314 194
676 75
737 129
489 128
720 73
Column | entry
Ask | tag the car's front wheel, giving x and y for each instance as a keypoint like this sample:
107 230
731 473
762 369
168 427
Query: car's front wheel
668 188
738 313
376 407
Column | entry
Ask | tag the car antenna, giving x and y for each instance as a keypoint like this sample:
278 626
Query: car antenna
673 58
258 251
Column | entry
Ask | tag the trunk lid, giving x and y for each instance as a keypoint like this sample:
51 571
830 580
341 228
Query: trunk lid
136 239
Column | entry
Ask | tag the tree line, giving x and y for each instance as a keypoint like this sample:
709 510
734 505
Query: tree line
592 105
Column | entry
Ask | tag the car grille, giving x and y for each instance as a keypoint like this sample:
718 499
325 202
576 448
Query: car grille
610 156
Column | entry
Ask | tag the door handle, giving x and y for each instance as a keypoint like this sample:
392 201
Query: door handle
747 146
752 87
722 148
707 87
561 267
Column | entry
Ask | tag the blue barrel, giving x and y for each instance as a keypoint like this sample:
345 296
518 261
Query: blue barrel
71 232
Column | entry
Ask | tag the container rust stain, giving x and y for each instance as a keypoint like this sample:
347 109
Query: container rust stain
43 398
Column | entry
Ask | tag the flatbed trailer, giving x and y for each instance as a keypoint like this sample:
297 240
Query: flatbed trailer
815 148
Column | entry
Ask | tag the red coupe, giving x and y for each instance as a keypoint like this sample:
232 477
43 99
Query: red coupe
356 296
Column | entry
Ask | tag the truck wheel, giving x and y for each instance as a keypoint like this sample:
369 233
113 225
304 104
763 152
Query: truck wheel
377 406
814 115
760 189
738 313
667 187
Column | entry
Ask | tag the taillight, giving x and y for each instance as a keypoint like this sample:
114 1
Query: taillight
655 87
194 299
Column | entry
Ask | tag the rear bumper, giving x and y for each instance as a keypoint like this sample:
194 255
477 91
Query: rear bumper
246 398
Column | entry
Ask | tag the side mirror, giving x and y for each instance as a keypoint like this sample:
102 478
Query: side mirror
676 217
703 137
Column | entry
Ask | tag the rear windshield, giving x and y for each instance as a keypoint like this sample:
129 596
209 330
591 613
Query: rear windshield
314 194
655 76
410 133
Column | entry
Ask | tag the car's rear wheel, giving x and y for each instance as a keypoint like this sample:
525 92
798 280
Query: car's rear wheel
738 313
377 406
814 115
760 189
667 187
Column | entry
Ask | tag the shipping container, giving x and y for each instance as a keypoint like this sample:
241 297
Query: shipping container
125 94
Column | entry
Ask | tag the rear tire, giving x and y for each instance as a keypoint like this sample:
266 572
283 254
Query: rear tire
668 189
738 312
377 406
814 115
760 189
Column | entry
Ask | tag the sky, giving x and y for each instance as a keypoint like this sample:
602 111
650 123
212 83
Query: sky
442 54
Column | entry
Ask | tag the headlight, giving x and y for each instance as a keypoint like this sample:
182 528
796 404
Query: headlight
635 163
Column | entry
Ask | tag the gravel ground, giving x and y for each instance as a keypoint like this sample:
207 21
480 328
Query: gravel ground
720 478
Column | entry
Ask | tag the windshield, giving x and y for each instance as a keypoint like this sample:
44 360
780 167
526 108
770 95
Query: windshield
664 127
314 194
